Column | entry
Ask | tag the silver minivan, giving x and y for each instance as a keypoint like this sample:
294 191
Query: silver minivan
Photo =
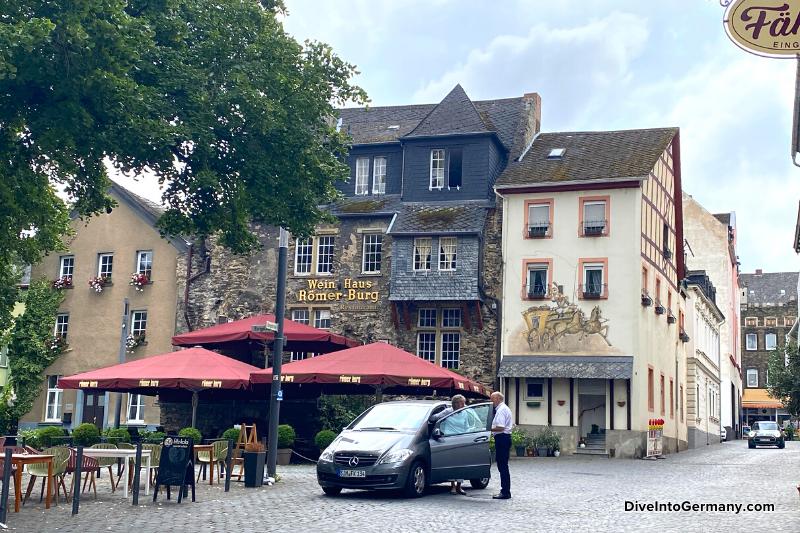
405 446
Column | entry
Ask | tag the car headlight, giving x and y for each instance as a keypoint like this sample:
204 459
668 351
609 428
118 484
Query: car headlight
397 456
326 456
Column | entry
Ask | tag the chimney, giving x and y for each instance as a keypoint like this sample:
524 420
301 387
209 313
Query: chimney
758 272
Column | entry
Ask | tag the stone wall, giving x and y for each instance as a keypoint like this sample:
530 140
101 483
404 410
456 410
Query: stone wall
759 359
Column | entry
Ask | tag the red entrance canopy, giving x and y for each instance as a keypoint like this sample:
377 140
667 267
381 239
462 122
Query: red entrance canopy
195 369
373 364
238 334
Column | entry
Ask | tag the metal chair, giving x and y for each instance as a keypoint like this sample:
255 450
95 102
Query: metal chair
89 465
107 461
218 454
126 465
61 456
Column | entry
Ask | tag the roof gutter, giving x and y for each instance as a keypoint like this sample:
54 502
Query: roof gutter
511 187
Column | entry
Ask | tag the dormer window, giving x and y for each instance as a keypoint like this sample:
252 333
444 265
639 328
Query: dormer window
454 170
379 175
362 176
556 153
437 169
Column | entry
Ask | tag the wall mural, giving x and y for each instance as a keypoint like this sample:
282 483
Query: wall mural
564 328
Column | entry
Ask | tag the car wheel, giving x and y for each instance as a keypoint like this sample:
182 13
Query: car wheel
782 445
332 491
417 480
479 484
751 445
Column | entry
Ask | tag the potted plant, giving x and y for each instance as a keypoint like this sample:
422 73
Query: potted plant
520 440
254 457
85 434
582 442
138 280
286 436
789 432
492 448
324 438
555 443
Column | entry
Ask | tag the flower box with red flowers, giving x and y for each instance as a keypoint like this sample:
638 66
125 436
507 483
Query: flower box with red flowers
64 282
137 280
97 284
56 344
135 340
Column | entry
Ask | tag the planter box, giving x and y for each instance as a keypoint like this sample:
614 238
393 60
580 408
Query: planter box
254 468
284 456
520 452
542 451
494 456
530 452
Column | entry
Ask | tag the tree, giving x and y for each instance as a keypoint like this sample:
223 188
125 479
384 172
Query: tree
231 114
784 377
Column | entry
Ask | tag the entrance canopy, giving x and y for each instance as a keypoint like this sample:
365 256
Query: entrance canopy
566 366
238 335
759 399
377 366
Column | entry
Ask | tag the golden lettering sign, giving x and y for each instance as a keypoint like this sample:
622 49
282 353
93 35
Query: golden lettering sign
287 378
419 382
210 383
148 383
349 379
87 384
476 388
460 385
329 291
765 26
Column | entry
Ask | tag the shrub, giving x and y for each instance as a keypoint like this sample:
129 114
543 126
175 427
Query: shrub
157 437
43 435
30 438
324 438
231 434
85 434
191 432
118 434
286 436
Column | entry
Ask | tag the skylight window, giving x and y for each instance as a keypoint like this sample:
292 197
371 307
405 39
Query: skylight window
556 153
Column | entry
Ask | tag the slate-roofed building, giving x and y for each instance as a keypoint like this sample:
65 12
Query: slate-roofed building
593 337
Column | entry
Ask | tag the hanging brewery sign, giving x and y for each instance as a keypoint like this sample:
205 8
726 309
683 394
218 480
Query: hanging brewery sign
765 27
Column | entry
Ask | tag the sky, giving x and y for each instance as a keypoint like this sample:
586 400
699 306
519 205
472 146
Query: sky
599 65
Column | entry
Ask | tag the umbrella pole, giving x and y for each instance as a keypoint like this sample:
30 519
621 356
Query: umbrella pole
378 393
195 401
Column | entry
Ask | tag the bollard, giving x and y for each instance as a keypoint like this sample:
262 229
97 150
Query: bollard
6 480
76 481
136 474
228 466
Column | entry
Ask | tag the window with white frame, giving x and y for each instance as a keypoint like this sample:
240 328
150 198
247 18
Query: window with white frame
451 318
4 356
451 347
325 254
537 280
538 220
66 267
138 322
426 346
447 253
362 176
322 319
752 377
303 256
53 410
372 253
770 341
144 263
379 175
136 408
105 264
594 218
427 318
437 169
593 278
300 316
752 341
534 388
62 326
422 254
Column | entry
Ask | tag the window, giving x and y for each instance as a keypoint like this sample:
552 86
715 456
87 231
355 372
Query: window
62 325
451 318
538 220
789 321
362 176
644 280
556 153
136 408
138 322
671 398
426 346
534 388
427 318
450 349
681 400
144 264
322 319
437 169
537 280
299 356
372 253
669 302
594 218
53 412
751 322
105 265
67 265
752 341
422 254
4 356
658 291
663 410
454 172
379 175
325 255
650 392
593 282
770 341
770 322
303 254
447 253
665 242
752 377
300 316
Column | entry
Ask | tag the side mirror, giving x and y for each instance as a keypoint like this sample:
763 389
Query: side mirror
437 434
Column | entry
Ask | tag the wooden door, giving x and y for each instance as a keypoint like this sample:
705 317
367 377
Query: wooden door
94 408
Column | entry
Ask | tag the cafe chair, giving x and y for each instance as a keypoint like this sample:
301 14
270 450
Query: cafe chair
61 456
155 457
125 466
107 462
15 450
89 466
218 454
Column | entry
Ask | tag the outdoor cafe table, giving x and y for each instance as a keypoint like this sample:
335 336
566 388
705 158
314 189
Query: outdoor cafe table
210 449
20 460
126 455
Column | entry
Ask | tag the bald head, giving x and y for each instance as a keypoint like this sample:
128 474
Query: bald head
497 398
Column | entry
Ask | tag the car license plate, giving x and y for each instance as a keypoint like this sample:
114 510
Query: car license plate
352 473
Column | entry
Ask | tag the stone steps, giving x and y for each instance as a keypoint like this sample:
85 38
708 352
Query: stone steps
595 446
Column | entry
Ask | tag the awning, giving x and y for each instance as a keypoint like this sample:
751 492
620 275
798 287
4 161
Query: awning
759 399
566 366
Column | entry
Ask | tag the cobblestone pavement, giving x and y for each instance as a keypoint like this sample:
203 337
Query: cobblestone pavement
564 494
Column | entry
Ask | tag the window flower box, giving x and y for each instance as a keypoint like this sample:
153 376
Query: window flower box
97 283
138 280
57 344
134 341
533 404
646 300
64 282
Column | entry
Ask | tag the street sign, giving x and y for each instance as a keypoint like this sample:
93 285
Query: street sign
268 327
280 394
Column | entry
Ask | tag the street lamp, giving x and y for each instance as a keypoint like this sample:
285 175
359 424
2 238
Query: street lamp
277 358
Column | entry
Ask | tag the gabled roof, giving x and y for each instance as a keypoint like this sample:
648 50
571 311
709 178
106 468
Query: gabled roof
588 156
767 287
454 115
148 210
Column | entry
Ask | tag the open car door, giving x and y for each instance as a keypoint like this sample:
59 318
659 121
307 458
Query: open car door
459 444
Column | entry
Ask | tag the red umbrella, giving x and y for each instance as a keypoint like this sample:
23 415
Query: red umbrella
238 335
378 364
194 369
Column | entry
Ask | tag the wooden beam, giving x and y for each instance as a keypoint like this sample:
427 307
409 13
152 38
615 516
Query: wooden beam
466 315
628 402
550 401
516 402
394 316
405 315
478 313
571 402
611 412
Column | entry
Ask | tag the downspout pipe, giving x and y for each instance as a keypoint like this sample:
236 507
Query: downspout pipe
189 280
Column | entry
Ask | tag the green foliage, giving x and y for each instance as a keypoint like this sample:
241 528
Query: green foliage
491 444
547 436
324 438
336 412
85 434
30 438
191 432
43 436
784 377
231 434
118 434
286 436
520 438
157 437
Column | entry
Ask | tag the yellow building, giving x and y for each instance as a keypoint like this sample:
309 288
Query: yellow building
593 311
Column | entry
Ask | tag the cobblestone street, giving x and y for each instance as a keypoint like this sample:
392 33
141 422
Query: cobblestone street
564 494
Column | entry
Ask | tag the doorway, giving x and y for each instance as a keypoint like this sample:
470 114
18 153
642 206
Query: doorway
94 408
591 406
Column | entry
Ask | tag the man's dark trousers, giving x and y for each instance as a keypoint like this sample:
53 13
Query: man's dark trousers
502 446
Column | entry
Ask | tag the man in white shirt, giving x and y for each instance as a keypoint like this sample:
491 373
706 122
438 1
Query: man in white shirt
501 430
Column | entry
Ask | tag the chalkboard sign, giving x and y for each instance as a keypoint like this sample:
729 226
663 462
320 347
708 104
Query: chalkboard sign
176 466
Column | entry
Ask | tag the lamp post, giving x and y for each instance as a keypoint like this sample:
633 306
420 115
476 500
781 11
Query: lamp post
277 358
123 339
